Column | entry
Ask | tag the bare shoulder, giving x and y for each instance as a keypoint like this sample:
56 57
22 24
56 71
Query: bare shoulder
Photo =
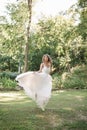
42 64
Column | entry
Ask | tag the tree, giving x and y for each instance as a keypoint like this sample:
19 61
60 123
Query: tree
58 37
82 27
12 32
28 35
83 19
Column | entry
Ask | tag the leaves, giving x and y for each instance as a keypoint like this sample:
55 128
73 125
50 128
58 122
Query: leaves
58 36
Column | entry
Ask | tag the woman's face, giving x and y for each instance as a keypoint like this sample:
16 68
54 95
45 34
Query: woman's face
45 58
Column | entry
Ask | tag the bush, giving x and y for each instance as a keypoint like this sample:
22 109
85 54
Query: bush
74 82
11 75
76 79
7 80
7 84
8 63
57 83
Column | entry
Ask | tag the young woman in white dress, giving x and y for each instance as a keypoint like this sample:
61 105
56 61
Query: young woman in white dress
38 84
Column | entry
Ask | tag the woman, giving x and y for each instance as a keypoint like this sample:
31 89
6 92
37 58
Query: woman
38 84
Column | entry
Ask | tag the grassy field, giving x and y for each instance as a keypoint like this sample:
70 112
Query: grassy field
66 110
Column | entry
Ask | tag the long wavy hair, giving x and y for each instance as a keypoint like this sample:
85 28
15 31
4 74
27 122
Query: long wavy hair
49 58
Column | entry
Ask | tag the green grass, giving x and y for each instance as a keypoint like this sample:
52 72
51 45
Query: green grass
66 110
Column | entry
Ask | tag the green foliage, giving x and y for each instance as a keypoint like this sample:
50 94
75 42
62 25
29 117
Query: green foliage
8 63
12 36
57 36
7 80
7 84
35 59
82 27
76 79
57 82
83 24
82 3
11 75
74 83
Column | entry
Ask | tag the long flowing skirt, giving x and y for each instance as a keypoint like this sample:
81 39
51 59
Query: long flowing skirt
37 86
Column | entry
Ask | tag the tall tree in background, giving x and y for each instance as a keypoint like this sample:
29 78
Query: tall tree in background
12 34
28 35
83 18
83 26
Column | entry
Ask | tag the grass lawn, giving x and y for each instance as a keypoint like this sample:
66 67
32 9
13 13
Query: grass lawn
66 110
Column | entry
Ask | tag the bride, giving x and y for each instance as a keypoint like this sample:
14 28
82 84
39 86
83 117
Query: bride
38 84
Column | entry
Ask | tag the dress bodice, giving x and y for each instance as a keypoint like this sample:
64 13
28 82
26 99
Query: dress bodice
46 69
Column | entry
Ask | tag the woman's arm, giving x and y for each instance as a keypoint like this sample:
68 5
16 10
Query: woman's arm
41 66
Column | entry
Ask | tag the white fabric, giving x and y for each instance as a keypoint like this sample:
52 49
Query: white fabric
37 85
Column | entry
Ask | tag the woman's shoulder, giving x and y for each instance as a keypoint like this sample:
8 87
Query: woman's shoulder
42 64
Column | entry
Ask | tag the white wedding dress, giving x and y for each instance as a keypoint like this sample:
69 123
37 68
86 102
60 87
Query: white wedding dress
37 85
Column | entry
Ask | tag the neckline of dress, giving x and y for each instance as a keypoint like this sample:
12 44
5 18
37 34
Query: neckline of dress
46 66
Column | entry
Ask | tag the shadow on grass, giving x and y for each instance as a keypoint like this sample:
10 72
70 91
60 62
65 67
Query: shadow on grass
65 111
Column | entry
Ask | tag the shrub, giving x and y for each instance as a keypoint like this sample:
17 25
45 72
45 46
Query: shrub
11 75
76 79
57 83
8 63
74 82
8 84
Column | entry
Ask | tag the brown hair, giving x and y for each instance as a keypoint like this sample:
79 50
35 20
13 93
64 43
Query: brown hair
49 58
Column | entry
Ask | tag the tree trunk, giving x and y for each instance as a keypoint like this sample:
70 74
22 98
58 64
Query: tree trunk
28 36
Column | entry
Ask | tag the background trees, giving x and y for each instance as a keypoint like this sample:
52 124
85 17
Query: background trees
13 33
29 2
21 49
82 27
58 36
